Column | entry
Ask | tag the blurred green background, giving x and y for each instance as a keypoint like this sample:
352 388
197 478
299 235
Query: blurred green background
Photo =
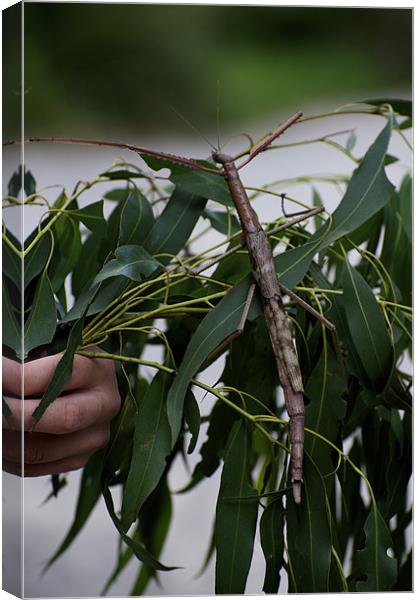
100 68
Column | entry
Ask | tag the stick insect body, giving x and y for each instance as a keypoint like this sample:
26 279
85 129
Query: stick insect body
257 243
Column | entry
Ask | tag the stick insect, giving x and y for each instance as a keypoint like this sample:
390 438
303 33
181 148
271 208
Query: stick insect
256 241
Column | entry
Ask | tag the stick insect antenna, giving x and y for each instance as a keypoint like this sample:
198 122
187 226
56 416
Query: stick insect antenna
218 115
192 126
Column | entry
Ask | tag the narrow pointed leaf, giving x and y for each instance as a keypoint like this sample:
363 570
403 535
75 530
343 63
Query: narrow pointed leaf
326 409
202 183
236 515
373 560
63 371
136 219
368 191
215 327
11 328
309 536
154 520
139 550
172 229
273 544
406 208
36 260
193 419
401 106
367 327
150 448
42 320
222 221
92 217
131 261
89 494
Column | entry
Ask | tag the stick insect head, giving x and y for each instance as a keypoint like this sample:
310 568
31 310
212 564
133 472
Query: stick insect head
222 158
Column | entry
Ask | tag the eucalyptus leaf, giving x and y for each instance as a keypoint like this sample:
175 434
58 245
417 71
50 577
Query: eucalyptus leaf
151 446
367 327
137 219
130 261
401 106
368 191
193 419
89 494
63 371
236 515
373 560
36 260
223 222
201 183
309 536
42 320
92 217
12 331
139 550
172 229
221 322
273 544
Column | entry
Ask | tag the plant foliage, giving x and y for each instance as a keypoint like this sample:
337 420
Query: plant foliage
136 269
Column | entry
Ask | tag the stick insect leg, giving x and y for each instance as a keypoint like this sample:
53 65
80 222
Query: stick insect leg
297 219
237 333
330 326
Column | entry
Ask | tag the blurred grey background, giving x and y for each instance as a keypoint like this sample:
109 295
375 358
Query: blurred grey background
113 71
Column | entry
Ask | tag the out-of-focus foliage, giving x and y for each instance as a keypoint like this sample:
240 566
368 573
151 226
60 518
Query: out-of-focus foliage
103 67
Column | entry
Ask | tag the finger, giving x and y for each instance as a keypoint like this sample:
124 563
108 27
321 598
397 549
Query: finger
37 374
60 466
12 377
44 448
66 414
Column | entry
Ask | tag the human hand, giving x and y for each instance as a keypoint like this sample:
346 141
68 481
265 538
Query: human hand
74 426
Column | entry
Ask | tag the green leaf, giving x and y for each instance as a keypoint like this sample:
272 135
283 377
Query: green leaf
373 560
137 219
367 327
121 174
150 448
92 217
222 221
201 183
221 421
236 515
350 142
95 298
12 332
326 409
131 261
406 208
273 544
309 536
172 229
12 263
368 191
251 367
213 329
193 419
154 521
89 494
63 371
42 321
67 250
140 551
403 107
36 260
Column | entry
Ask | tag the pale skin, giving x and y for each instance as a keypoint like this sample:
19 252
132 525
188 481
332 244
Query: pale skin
73 427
